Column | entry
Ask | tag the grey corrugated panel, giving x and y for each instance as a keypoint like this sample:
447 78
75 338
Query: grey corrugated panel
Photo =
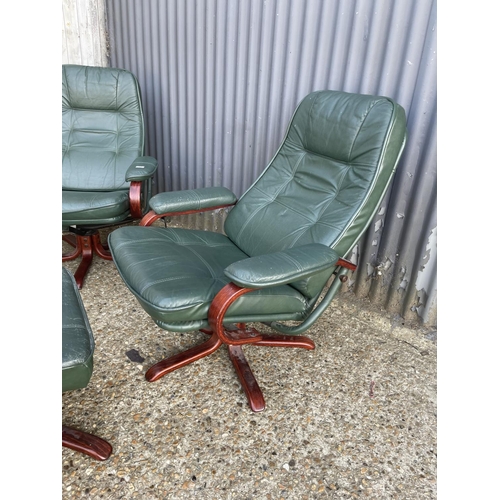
395 251
221 79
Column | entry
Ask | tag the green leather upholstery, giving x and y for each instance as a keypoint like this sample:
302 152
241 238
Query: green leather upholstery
107 207
175 273
327 178
283 267
102 144
106 179
191 199
141 169
77 338
77 365
321 189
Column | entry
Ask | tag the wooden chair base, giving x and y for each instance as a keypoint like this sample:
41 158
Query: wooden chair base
87 246
88 444
242 368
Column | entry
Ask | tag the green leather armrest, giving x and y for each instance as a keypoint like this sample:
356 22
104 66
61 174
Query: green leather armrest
141 169
284 267
191 200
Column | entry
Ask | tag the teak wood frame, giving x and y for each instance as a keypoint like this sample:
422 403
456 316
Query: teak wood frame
233 338
86 443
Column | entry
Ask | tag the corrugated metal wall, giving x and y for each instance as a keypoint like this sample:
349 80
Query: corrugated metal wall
221 79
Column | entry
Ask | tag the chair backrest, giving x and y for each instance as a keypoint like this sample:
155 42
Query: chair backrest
102 127
327 179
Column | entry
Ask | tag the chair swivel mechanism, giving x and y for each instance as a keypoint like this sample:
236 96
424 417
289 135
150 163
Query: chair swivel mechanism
284 241
106 179
77 365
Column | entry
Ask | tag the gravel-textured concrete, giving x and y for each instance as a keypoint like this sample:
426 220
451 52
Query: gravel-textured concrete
354 418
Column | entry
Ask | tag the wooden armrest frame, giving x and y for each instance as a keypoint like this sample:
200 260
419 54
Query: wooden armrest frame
152 216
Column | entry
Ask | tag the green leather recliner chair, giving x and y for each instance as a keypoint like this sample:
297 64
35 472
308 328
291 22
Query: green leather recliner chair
288 234
77 365
106 179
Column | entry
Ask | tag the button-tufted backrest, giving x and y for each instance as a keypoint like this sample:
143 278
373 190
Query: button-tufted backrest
327 179
102 127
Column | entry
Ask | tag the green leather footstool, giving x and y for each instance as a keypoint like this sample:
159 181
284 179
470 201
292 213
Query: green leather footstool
77 364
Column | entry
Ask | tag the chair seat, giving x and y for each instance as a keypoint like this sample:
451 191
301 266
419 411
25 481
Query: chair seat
97 207
77 338
175 274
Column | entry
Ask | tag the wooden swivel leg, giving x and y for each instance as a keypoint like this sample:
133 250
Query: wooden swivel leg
183 358
84 442
247 378
85 245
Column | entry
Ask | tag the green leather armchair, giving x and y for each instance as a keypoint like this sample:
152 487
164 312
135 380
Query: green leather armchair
77 365
288 234
106 179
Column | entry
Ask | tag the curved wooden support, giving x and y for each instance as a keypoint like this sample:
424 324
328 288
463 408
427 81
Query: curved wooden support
149 218
347 264
217 311
247 378
152 216
183 358
85 246
286 341
243 335
70 239
75 243
84 442
135 199
100 249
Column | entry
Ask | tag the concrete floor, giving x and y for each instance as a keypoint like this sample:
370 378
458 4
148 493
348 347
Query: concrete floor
354 418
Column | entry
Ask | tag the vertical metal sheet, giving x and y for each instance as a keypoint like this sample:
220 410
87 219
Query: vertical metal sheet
221 79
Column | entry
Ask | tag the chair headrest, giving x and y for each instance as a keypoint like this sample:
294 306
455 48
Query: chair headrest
342 125
104 89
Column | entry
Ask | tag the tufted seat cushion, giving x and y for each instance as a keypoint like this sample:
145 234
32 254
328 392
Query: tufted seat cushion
77 338
175 274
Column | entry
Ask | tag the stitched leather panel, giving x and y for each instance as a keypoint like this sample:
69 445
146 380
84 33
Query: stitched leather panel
175 274
102 127
326 180
282 267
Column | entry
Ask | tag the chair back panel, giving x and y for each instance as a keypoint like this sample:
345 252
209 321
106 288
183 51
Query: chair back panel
327 179
103 127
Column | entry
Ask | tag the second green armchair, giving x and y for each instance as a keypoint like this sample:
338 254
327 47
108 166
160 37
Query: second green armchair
283 239
106 179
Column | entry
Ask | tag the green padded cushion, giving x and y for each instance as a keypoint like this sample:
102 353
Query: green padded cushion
175 273
191 199
283 267
326 180
142 168
102 127
89 207
77 338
